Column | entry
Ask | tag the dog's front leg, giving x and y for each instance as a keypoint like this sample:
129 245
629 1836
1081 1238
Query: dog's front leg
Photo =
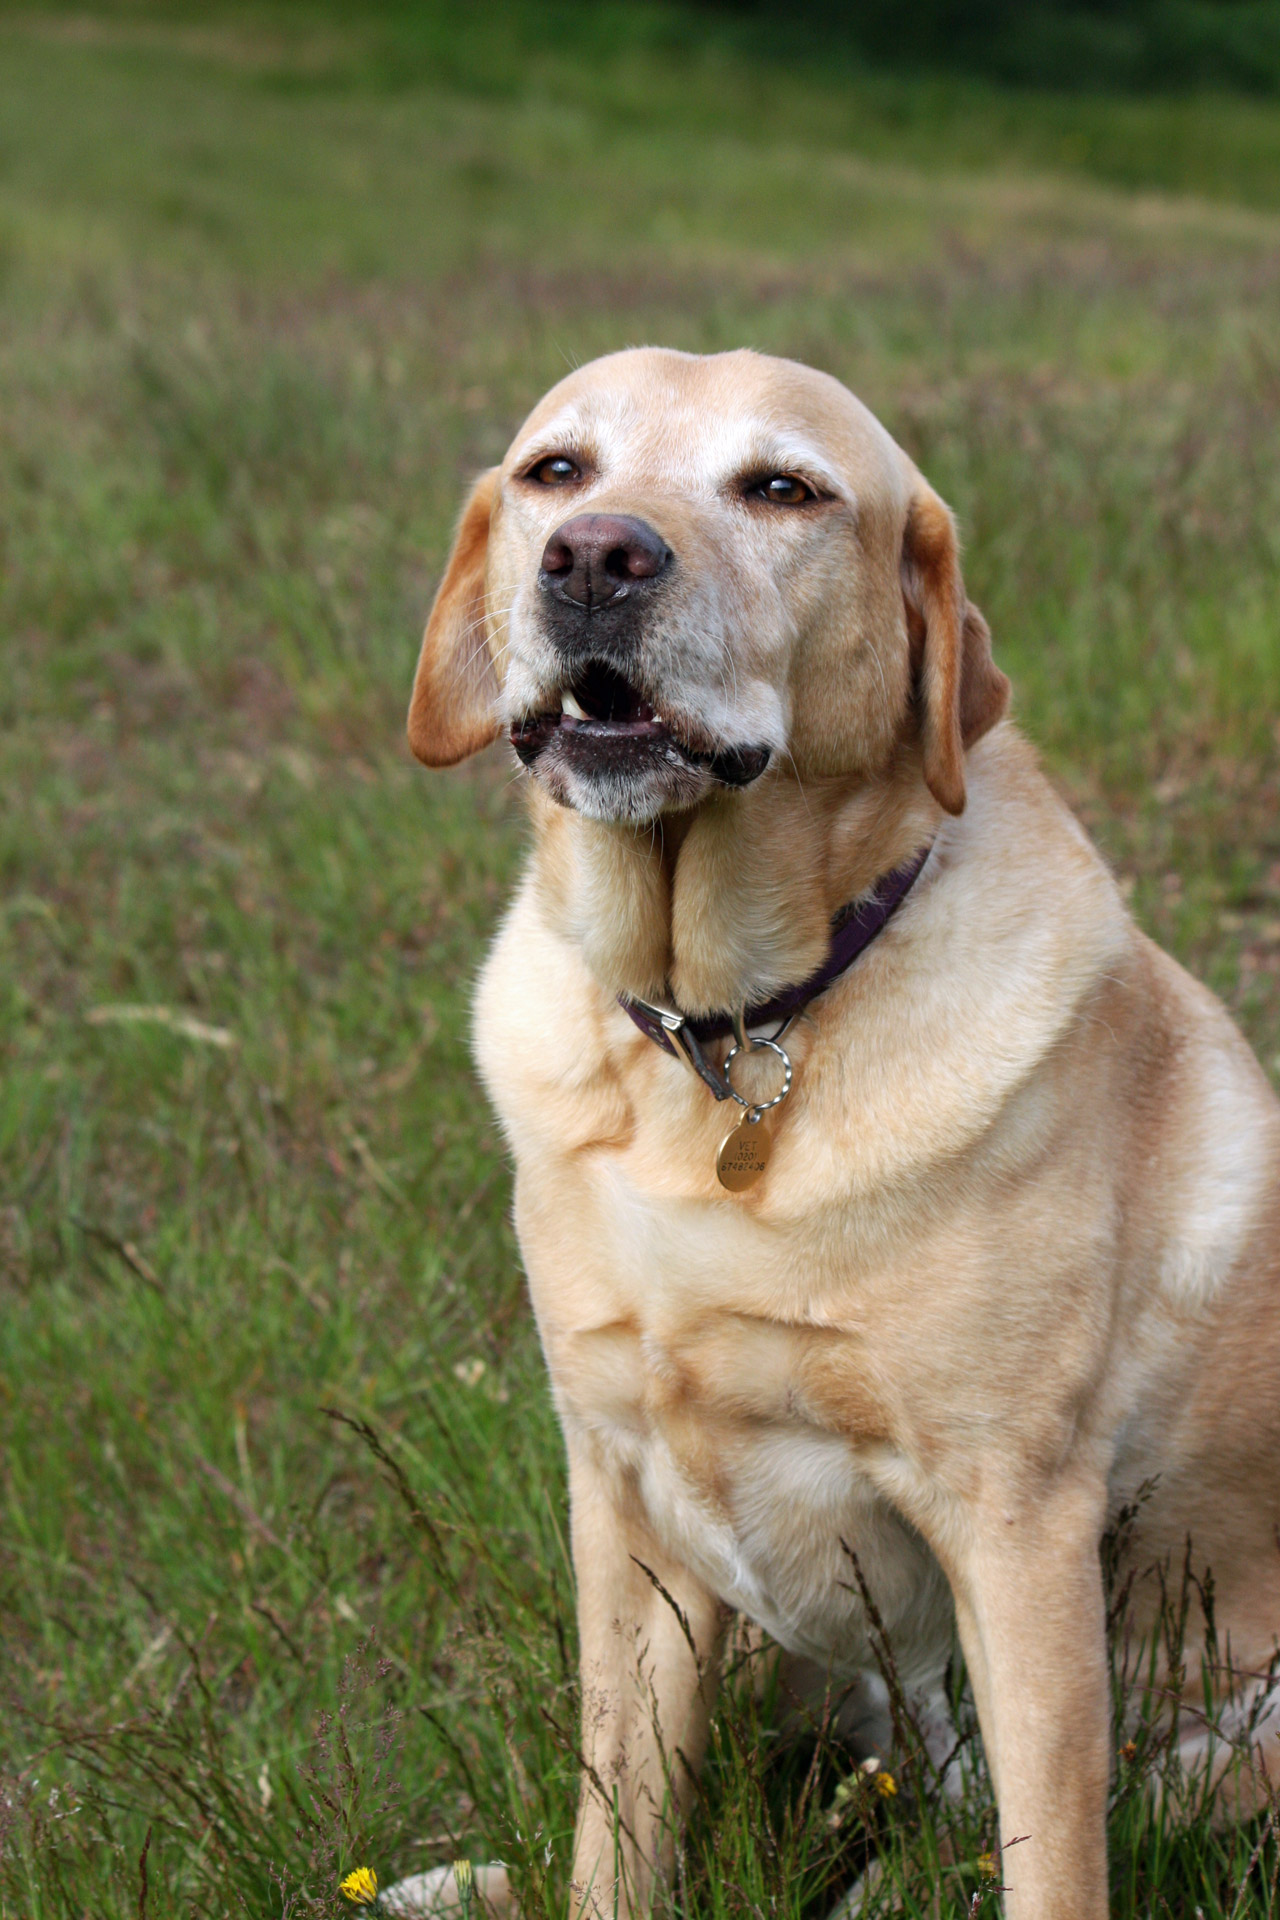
649 1636
1029 1605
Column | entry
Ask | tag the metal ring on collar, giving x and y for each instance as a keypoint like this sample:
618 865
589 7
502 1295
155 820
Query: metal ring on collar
756 1108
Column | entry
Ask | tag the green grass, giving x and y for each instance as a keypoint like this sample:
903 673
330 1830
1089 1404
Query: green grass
273 286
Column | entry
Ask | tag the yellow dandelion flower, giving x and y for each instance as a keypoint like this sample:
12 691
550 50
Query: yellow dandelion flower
987 1865
361 1887
885 1784
464 1878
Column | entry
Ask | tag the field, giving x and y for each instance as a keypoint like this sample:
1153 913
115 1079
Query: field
283 1584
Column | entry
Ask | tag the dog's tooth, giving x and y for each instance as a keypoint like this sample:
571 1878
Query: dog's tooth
569 705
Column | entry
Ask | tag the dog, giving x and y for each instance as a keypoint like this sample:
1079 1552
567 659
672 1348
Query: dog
940 1242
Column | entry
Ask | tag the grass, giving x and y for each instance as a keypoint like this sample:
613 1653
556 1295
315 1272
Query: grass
283 1584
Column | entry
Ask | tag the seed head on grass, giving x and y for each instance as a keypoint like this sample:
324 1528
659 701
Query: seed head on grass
361 1887
840 1803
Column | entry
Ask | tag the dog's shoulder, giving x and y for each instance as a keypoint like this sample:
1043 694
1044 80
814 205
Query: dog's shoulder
541 1039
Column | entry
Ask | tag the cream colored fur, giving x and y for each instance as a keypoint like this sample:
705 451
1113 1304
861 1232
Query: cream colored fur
1017 1250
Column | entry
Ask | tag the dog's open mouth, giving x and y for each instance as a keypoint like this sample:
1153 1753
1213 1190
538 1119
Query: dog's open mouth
597 705
605 704
605 724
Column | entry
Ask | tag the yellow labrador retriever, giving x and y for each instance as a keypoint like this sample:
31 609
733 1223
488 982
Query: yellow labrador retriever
878 1182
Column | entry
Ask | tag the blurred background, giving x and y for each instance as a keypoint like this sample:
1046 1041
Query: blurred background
283 1586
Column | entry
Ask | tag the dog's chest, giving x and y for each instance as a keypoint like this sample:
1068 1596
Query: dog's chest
746 1436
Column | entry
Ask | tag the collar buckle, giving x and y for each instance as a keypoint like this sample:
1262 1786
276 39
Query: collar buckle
673 1032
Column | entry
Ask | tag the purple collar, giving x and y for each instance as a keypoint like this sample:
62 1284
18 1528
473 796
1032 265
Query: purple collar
853 930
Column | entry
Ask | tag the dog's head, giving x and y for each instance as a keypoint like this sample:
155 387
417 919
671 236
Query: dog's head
687 568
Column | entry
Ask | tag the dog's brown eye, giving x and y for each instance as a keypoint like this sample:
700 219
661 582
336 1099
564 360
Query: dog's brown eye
557 471
783 490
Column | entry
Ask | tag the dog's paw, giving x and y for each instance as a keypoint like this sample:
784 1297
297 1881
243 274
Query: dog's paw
432 1896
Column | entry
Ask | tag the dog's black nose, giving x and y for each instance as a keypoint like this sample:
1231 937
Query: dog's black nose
592 559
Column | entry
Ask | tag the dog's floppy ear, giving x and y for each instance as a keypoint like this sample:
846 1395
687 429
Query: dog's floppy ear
961 691
452 709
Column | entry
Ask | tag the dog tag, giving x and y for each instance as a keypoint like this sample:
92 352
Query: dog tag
743 1156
